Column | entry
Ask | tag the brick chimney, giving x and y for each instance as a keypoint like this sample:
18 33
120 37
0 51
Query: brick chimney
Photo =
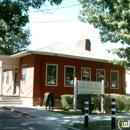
85 44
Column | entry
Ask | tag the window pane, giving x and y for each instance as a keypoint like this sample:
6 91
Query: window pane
86 74
100 75
114 79
7 77
69 76
24 73
51 74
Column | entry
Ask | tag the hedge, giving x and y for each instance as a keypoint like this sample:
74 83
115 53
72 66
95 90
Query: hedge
122 102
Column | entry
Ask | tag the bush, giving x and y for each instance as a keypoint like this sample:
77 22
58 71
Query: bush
122 102
67 101
107 103
94 102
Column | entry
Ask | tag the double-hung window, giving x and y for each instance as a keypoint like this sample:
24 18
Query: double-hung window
100 75
114 79
69 75
86 74
51 74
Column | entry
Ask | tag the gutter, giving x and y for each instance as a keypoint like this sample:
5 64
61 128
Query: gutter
25 53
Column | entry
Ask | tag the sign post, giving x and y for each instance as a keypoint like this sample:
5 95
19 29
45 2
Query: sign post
102 92
75 95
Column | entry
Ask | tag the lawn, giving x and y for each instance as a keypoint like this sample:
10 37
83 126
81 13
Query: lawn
97 125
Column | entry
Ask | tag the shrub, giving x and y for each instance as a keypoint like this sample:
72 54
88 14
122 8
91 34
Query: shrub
94 102
67 101
107 103
122 102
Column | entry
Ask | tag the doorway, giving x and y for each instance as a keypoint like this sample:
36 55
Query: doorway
15 81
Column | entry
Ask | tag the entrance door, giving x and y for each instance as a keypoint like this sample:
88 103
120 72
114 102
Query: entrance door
15 82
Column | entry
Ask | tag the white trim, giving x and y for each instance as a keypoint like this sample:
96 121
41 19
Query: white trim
56 75
104 73
1 77
117 79
65 74
25 53
86 68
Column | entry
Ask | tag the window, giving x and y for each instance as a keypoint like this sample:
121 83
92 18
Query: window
100 74
114 79
7 76
69 76
86 74
24 73
51 74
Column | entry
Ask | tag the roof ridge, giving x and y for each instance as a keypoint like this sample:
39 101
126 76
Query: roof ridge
48 45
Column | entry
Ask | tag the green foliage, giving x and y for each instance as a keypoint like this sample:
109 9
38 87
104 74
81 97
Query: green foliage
122 102
14 34
107 103
112 19
94 102
67 101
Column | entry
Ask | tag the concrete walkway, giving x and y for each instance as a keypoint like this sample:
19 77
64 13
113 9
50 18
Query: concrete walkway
57 121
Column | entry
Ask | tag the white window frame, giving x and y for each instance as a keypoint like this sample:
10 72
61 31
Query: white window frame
104 74
23 82
82 73
117 79
56 75
65 75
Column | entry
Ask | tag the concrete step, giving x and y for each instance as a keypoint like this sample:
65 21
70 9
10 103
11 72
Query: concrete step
10 100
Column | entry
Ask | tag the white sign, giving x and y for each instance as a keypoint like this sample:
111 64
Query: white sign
89 87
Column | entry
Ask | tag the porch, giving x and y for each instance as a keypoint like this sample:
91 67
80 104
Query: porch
8 75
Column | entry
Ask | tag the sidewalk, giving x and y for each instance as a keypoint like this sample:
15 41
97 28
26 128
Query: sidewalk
52 119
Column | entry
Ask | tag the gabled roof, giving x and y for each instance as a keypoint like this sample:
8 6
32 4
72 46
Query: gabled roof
64 50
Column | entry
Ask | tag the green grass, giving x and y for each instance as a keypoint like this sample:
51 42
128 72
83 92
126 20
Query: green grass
98 125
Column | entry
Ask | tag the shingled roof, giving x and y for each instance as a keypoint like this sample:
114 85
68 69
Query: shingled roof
65 50
71 51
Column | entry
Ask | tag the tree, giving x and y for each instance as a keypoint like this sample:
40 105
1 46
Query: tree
112 18
14 35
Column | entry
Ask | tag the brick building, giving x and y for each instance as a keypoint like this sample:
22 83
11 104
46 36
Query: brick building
31 74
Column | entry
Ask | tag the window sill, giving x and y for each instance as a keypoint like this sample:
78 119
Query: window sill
51 85
68 86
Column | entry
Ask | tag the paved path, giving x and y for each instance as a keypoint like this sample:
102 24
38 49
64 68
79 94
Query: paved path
54 121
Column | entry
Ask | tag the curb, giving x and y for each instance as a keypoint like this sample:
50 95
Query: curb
70 127
26 114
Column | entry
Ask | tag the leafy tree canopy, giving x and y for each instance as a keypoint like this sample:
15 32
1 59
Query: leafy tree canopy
112 18
14 35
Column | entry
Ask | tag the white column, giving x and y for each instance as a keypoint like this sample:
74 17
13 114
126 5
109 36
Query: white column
102 92
1 74
75 95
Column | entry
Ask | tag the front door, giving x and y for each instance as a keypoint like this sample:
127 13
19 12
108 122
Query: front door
15 82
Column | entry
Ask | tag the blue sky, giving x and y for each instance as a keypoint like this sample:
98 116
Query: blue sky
47 29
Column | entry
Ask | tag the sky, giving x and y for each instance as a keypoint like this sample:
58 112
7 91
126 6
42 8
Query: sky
53 25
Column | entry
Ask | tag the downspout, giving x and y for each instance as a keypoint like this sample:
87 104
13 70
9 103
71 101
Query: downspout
41 97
